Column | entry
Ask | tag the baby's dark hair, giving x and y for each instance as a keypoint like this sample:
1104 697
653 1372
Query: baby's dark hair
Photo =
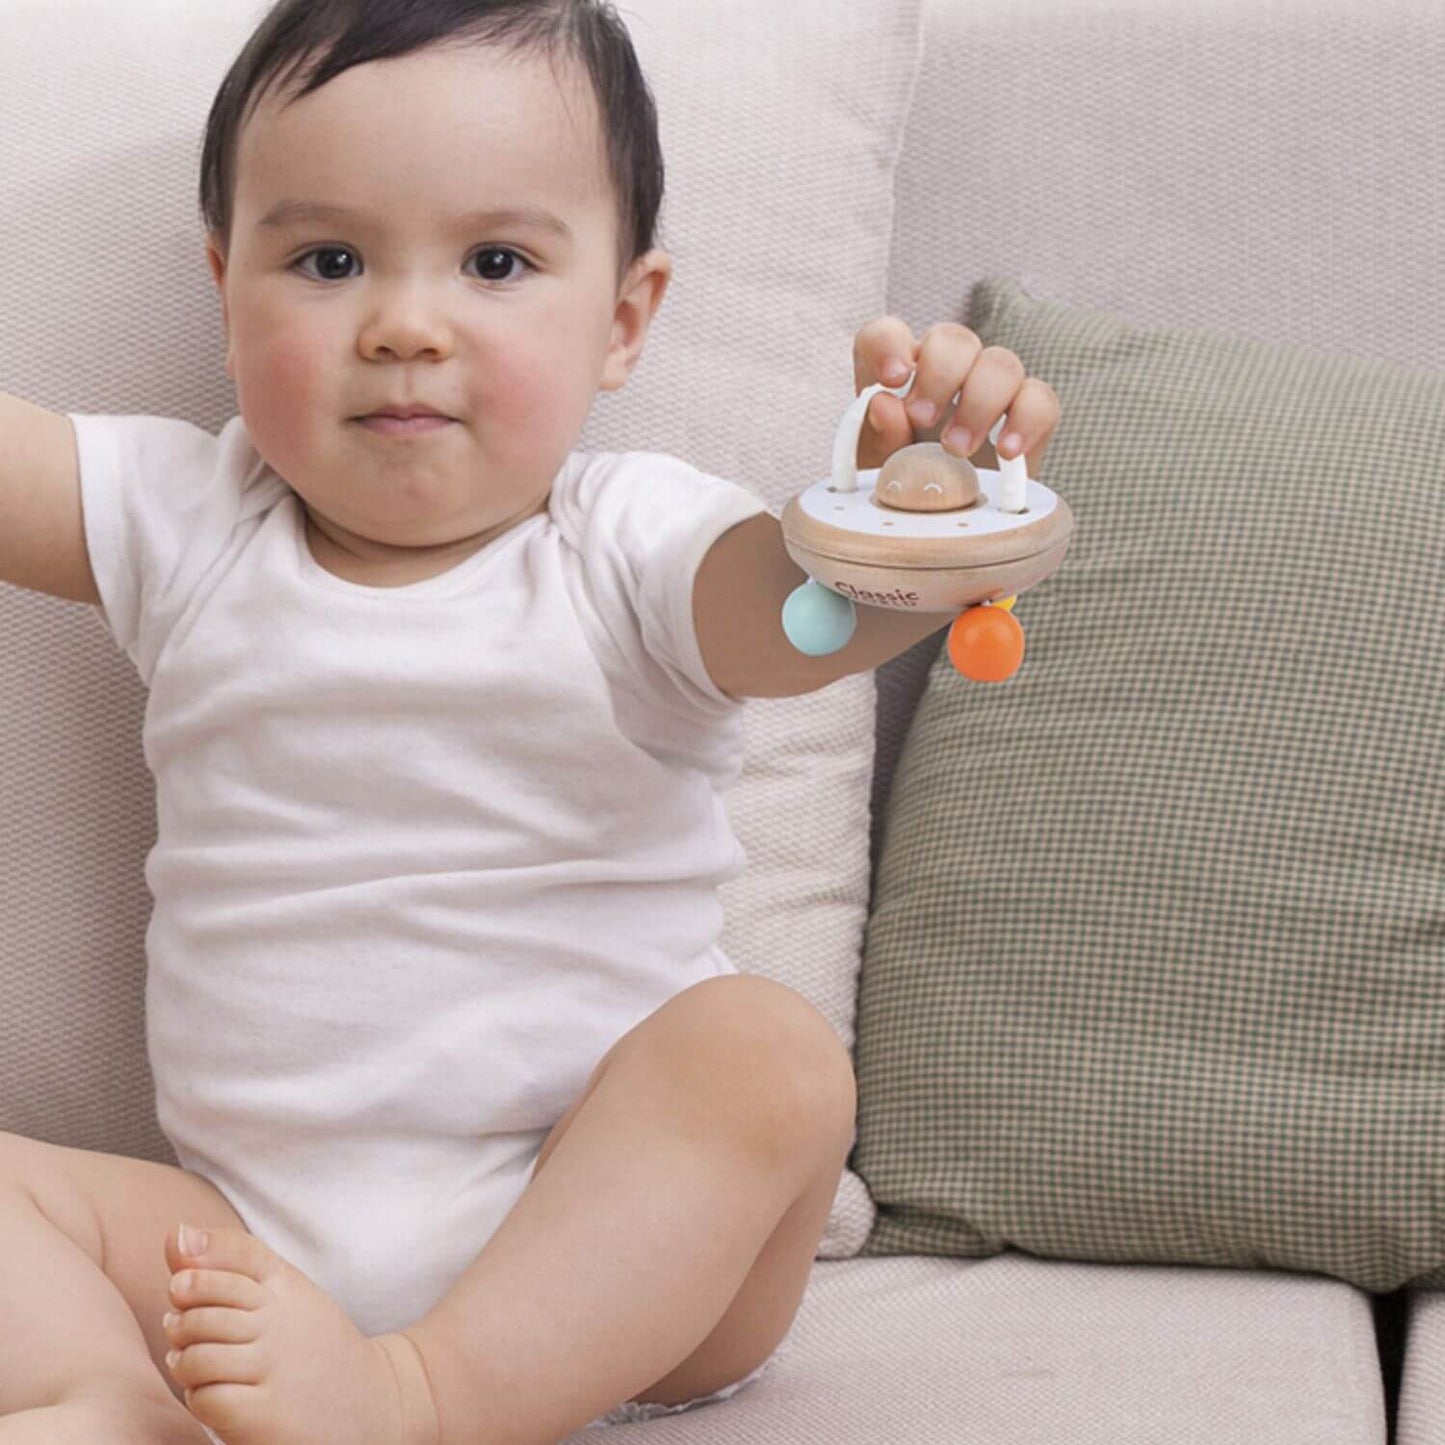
343 33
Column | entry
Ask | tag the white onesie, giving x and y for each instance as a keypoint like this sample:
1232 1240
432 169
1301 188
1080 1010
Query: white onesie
424 853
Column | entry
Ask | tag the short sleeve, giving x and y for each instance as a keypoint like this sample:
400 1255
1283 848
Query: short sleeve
160 499
643 521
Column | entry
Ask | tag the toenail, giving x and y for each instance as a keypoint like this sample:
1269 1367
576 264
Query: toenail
170 1320
173 1358
193 1241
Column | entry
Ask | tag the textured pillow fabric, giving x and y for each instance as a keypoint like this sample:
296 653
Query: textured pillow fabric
1156 969
781 128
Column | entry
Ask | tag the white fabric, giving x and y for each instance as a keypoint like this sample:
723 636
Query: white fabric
424 852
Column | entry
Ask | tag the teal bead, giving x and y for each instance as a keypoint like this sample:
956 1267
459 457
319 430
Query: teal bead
817 620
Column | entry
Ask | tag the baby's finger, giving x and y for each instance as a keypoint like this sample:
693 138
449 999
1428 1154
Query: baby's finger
1033 417
992 387
946 358
886 428
884 340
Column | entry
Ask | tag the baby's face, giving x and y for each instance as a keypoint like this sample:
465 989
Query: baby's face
510 327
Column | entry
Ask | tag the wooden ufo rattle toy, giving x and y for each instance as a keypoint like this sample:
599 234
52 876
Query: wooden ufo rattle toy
925 532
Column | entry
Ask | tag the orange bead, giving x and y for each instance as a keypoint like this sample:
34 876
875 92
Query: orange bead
986 644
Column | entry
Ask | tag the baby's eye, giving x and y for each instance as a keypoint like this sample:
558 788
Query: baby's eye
328 251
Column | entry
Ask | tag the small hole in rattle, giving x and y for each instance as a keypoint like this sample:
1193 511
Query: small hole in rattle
887 524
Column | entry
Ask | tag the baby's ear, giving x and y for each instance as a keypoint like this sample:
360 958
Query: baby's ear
215 260
637 302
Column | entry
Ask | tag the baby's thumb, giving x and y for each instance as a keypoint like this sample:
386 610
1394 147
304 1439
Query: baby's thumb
886 428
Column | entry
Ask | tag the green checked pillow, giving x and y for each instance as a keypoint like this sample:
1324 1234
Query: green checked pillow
1156 967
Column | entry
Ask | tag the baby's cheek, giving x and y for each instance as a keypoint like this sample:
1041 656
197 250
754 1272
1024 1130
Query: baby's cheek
536 395
280 395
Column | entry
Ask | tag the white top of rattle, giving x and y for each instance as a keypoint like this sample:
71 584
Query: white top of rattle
1013 471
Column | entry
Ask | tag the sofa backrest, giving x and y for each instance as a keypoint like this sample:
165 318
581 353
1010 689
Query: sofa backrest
1270 171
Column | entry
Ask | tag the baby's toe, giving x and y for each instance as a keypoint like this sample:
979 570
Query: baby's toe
226 1249
211 1364
194 1288
213 1325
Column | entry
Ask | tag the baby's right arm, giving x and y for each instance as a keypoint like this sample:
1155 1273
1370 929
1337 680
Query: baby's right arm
42 534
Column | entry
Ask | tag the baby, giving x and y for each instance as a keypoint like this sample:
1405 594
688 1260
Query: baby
440 712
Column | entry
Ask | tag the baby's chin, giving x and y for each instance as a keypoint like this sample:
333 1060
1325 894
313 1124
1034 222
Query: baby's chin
425 540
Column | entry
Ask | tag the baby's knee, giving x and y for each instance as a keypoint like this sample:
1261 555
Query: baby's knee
752 1043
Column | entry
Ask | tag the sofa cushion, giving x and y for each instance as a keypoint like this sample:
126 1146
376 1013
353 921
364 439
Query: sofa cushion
1019 1351
1154 971
1422 1379
780 125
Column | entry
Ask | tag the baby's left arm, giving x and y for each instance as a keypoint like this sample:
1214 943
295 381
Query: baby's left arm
747 574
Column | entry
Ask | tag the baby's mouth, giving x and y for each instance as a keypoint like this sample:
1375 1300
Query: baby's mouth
387 425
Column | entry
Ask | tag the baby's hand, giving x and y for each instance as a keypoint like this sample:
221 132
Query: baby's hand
949 359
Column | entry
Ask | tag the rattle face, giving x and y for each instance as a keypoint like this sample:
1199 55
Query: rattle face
926 478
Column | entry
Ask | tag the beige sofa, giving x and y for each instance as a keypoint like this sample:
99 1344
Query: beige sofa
1270 169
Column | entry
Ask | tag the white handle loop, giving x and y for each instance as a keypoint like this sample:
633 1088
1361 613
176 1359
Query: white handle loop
1012 470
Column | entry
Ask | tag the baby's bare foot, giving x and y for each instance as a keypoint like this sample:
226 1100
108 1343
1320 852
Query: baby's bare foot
266 1357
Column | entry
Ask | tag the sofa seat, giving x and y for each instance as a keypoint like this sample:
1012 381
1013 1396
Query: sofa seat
932 1351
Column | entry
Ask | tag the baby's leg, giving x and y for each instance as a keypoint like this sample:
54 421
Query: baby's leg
83 1285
